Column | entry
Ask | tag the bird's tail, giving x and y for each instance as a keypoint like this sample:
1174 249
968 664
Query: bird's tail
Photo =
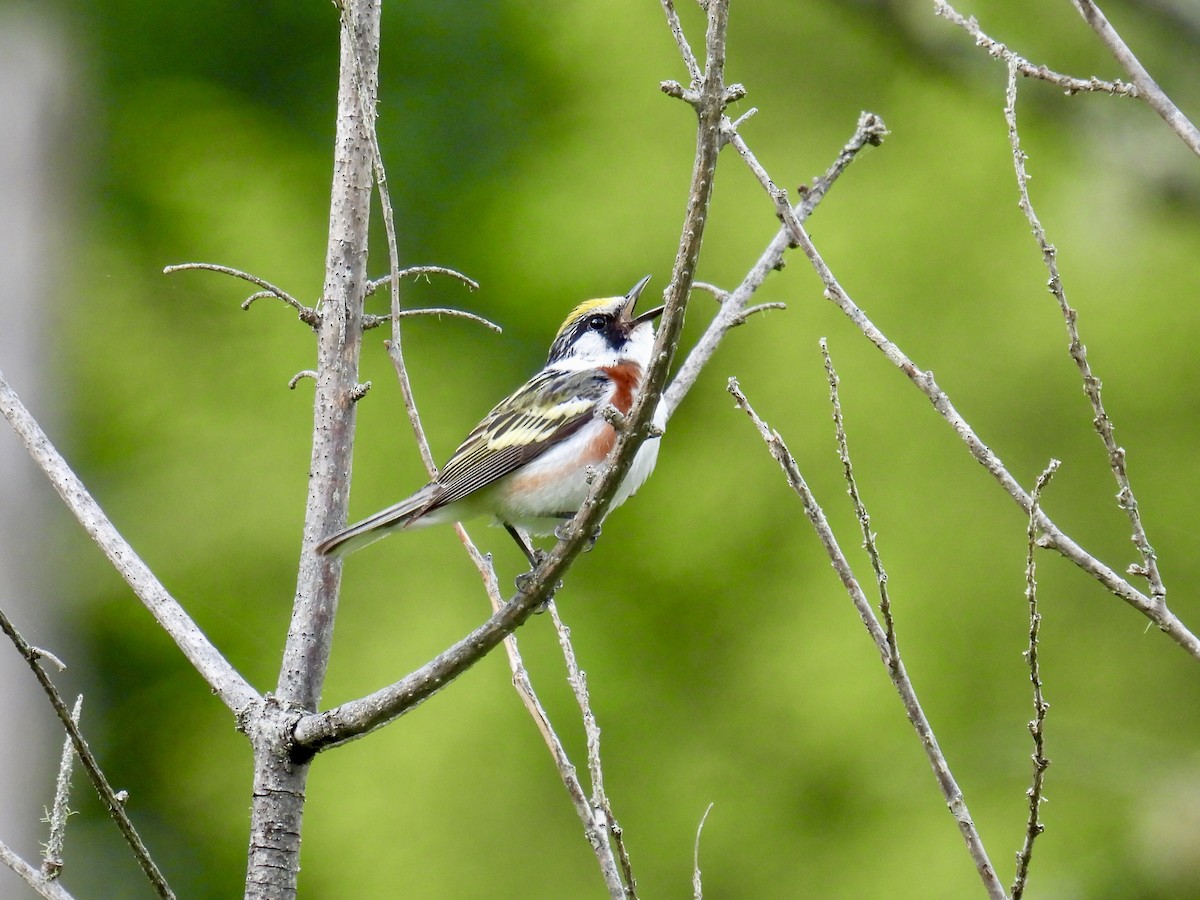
373 528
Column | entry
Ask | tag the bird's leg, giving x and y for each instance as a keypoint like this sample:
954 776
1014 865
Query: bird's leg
535 557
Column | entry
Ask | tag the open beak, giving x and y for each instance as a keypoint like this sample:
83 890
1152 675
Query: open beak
631 300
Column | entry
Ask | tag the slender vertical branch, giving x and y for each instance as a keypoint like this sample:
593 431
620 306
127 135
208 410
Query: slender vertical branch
593 829
860 510
601 807
697 886
955 801
1034 826
52 859
280 769
1091 384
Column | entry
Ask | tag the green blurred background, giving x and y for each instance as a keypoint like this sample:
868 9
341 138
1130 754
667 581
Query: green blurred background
528 145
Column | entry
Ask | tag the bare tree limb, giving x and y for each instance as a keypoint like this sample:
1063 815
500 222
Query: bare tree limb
860 510
999 51
113 801
308 315
1152 607
601 807
353 719
697 888
1034 826
51 890
916 715
235 692
593 829
52 858
1148 88
280 768
1091 384
870 130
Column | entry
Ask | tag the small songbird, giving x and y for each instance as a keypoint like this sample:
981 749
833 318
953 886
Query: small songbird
529 463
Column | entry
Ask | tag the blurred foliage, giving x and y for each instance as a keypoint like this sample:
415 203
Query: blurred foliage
529 146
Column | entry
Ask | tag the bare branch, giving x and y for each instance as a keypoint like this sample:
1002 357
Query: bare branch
601 807
52 859
114 802
697 889
899 677
860 511
234 691
366 104
308 315
1034 826
1025 67
1148 88
870 130
319 731
1153 608
51 890
1091 384
425 271
593 829
685 49
370 321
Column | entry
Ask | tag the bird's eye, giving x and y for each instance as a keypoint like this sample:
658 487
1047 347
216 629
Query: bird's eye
597 323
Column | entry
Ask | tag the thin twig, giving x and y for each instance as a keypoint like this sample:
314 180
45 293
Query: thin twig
593 830
601 806
1148 88
112 801
394 346
234 691
52 859
1034 826
1052 536
860 510
413 271
51 890
1091 384
999 51
319 731
897 673
869 131
308 315
371 321
685 49
697 888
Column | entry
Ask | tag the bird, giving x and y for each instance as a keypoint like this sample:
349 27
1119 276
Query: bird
530 462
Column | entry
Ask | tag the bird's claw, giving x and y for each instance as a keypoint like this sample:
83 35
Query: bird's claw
523 584
563 531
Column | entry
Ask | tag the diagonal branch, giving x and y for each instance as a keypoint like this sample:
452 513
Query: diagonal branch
235 692
50 890
916 715
112 801
1148 88
320 731
869 131
1154 608
998 50
1091 384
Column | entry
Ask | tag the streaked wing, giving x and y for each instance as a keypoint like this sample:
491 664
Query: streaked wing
547 409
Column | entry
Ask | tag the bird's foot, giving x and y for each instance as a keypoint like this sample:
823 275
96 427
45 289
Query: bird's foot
563 531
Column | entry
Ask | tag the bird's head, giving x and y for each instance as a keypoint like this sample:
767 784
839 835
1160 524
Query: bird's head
604 332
